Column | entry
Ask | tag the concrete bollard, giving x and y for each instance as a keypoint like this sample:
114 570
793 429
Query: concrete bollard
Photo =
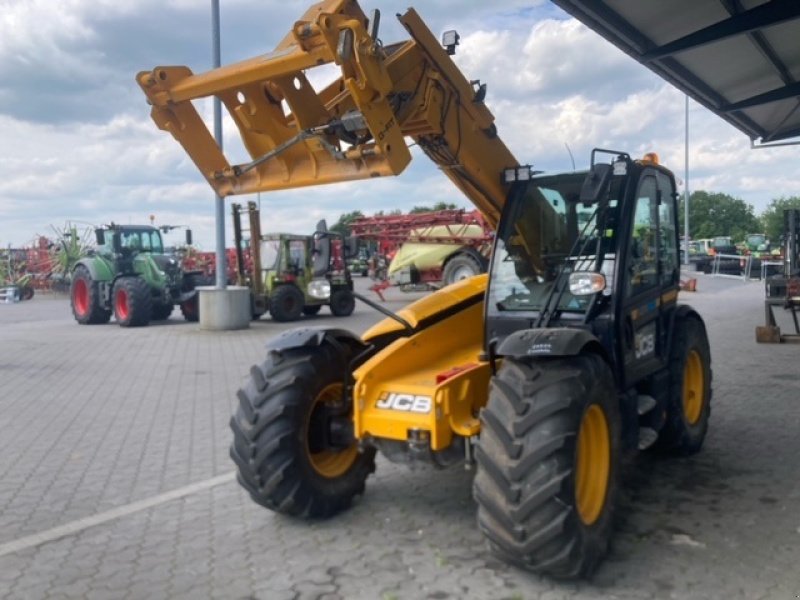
224 310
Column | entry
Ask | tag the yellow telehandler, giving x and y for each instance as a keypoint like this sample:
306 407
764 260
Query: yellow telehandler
571 350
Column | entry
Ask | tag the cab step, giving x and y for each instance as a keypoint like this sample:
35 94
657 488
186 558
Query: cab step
645 403
647 437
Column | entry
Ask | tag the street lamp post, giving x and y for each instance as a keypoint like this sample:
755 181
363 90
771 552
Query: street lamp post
686 192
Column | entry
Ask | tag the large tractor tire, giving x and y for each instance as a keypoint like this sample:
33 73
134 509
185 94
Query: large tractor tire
461 266
548 464
86 300
311 309
286 303
689 405
133 303
342 303
279 439
161 311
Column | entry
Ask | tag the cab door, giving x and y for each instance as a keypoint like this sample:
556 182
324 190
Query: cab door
650 271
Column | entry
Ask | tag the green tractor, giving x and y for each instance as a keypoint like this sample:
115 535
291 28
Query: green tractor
130 275
293 275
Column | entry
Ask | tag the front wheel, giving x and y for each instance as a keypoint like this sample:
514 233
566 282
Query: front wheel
133 304
689 406
342 303
281 434
548 463
86 299
286 303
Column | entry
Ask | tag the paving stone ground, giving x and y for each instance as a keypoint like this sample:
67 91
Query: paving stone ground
94 419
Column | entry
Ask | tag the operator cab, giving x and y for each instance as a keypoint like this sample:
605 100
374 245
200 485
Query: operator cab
565 259
535 242
136 240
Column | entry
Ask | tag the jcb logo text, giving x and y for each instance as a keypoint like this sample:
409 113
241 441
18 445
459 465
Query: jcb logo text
404 402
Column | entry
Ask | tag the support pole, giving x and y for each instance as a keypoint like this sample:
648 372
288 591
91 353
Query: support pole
222 307
219 202
686 191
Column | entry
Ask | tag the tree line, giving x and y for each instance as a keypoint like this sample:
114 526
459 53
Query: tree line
713 214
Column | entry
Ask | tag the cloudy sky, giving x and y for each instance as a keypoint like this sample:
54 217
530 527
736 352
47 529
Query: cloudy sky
77 143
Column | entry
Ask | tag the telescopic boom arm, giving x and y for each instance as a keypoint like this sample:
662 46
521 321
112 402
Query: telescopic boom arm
355 128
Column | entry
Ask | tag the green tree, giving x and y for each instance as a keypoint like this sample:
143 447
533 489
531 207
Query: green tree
772 217
714 214
437 206
342 226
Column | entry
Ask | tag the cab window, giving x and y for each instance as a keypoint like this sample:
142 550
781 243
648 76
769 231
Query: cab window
643 251
297 254
668 250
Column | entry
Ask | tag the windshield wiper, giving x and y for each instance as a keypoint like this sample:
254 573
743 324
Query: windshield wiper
582 242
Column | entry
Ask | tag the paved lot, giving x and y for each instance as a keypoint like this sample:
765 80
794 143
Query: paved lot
113 447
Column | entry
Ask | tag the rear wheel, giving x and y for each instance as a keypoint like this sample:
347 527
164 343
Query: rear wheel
133 303
460 267
548 460
286 303
86 299
26 293
190 309
689 405
281 438
342 303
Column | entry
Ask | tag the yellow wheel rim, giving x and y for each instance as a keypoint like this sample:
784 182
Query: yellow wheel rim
593 464
693 388
330 462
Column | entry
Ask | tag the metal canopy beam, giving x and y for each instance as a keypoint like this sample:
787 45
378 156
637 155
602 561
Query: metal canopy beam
734 7
632 28
766 15
782 93
633 42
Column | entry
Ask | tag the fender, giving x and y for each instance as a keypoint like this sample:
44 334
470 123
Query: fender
682 311
98 274
312 336
558 341
186 296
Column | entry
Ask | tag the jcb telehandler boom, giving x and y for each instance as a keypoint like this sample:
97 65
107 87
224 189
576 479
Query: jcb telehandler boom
355 128
571 350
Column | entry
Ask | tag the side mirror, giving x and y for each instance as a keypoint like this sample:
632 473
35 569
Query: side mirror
350 247
100 237
322 255
188 237
596 183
